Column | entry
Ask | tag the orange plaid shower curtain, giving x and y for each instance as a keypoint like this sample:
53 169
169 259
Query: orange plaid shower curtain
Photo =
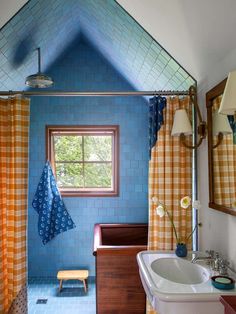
14 132
170 175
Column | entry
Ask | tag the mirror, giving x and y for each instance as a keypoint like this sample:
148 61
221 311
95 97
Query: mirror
221 154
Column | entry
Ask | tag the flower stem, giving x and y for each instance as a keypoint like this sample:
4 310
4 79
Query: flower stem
191 233
173 225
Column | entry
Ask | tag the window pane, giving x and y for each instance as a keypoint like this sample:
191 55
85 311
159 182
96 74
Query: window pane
84 158
97 148
98 175
69 175
68 148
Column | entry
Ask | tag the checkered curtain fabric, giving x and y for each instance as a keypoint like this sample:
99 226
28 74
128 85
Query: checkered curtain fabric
169 179
14 131
224 167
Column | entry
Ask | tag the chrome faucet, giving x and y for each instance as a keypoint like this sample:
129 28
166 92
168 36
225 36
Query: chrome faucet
201 258
224 265
209 258
215 261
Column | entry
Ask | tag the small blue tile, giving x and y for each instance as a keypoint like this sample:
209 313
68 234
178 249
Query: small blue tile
69 300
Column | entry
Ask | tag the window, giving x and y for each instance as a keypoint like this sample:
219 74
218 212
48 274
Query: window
84 159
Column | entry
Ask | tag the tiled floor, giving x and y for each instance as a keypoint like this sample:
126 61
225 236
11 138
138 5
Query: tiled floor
71 300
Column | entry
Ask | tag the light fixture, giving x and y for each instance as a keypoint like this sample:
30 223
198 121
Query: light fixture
181 123
228 102
182 126
39 80
220 127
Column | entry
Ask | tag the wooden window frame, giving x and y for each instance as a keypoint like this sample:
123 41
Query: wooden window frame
112 129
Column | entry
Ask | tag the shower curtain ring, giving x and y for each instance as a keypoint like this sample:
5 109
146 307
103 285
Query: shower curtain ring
10 93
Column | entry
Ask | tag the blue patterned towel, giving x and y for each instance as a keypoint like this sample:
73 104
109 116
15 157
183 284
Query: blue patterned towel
53 215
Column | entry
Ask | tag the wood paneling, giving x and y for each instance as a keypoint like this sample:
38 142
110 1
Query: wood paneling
119 288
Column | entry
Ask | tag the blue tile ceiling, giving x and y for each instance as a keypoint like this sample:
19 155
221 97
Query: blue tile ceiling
54 24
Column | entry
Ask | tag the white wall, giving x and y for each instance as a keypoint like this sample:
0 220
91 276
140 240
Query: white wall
8 8
188 29
219 229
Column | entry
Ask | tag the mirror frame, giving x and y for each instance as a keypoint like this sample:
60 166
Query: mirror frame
210 95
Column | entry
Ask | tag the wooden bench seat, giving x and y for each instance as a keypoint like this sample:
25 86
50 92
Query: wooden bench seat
81 275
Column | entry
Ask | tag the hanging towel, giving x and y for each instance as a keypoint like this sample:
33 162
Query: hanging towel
156 119
53 216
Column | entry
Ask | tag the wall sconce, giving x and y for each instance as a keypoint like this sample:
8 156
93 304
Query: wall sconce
220 127
182 126
228 102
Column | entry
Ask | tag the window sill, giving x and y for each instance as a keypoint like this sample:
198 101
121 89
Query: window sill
89 194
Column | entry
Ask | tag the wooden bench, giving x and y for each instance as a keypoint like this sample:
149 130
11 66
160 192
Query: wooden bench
73 275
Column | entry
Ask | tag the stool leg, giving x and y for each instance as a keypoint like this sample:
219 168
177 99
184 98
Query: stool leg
85 286
60 287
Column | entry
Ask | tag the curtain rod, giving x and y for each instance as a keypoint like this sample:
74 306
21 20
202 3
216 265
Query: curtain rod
92 94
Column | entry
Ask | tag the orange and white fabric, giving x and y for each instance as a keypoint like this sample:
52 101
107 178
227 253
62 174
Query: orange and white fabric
170 173
224 167
14 133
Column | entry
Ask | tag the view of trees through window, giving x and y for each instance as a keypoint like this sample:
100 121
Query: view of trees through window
83 161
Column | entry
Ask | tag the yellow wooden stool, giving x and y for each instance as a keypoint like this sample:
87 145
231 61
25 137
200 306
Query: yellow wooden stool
73 274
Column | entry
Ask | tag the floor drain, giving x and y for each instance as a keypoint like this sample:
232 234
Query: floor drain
42 301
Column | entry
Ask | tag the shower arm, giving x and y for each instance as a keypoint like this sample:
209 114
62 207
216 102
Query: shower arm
39 59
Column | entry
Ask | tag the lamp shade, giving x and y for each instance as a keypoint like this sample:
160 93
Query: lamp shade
181 123
220 123
228 102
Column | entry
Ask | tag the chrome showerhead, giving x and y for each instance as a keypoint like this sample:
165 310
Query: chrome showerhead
39 80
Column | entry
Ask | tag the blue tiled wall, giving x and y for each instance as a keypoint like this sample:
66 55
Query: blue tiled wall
81 67
52 25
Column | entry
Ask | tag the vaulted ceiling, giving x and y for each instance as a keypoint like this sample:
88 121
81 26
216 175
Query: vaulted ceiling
198 33
54 24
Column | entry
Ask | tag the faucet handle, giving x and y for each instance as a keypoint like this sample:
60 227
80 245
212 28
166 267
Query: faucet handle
211 253
224 262
216 261
223 266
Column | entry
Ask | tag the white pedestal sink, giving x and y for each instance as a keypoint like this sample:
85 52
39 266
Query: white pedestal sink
179 270
176 286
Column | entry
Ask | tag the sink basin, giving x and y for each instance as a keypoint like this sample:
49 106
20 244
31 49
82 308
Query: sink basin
180 271
177 286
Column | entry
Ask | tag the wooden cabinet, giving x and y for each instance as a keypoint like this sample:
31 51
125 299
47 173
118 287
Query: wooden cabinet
118 286
229 302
